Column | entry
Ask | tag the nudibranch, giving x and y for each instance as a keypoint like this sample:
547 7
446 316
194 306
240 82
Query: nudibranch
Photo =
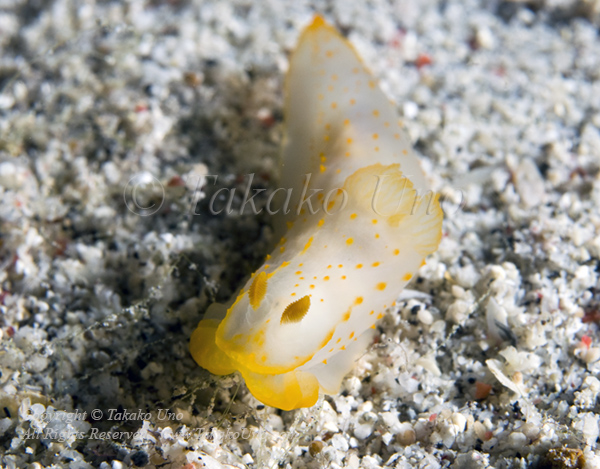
360 226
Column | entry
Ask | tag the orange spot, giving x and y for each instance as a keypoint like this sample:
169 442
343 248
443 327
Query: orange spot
376 148
375 264
358 300
351 335
343 347
329 266
372 312
322 168
353 216
405 152
343 277
396 252
423 263
334 77
371 84
374 222
321 222
340 266
317 22
359 266
326 278
329 53
339 340
376 235
397 136
346 121
376 113
347 154
381 286
352 102
324 362
298 272
330 205
349 140
346 316
333 105
380 315
407 277
349 241
326 138
282 249
312 286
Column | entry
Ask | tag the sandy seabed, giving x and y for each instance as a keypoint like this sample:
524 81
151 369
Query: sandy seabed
492 363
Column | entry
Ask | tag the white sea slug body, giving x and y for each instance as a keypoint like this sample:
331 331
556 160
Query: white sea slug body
297 326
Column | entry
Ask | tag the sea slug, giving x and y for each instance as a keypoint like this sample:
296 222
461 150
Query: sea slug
359 226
